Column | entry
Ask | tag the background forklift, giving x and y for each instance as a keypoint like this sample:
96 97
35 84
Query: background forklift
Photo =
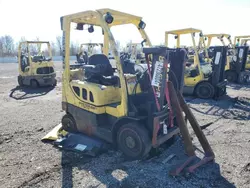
36 68
83 54
222 36
135 53
236 70
204 77
243 41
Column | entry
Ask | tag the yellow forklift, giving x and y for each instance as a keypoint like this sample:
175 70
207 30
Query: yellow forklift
235 70
35 67
204 76
222 37
82 55
243 41
135 53
116 107
130 109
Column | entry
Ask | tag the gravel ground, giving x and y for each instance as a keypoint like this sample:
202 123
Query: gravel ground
26 116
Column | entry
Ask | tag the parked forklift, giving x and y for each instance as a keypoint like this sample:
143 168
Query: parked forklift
222 37
36 67
243 41
117 107
235 70
135 53
204 76
133 110
83 54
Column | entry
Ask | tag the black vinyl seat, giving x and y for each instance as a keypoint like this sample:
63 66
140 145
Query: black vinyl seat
100 71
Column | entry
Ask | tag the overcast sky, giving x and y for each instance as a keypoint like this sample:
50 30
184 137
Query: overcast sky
31 18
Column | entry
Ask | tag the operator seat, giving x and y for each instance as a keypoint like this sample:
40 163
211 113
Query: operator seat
100 71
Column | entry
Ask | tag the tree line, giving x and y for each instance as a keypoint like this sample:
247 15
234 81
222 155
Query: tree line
9 47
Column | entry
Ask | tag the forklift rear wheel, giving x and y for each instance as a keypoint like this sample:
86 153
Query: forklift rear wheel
20 81
68 123
231 76
55 83
204 90
133 140
34 84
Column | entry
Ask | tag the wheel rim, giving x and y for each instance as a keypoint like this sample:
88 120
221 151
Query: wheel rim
130 142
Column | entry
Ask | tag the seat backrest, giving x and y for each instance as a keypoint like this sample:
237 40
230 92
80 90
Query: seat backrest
98 59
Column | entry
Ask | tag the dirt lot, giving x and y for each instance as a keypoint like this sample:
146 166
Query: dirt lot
26 116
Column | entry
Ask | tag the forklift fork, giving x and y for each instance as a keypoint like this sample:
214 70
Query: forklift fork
180 106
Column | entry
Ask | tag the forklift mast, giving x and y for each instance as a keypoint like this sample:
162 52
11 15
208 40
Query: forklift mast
241 54
167 64
219 55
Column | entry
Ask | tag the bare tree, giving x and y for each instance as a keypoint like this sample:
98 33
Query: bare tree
1 47
53 48
22 39
34 48
59 44
7 45
73 48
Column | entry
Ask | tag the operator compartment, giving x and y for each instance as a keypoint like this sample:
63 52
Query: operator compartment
96 83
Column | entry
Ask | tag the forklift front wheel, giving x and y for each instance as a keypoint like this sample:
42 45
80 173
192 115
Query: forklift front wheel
20 81
68 123
204 90
34 84
133 140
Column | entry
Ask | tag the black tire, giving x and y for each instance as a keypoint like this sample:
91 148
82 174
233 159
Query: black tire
55 83
204 90
133 140
34 84
20 81
231 76
68 123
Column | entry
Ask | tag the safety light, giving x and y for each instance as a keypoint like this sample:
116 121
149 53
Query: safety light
91 29
108 18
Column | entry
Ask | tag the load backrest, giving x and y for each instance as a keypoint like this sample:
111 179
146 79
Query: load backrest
219 55
242 52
